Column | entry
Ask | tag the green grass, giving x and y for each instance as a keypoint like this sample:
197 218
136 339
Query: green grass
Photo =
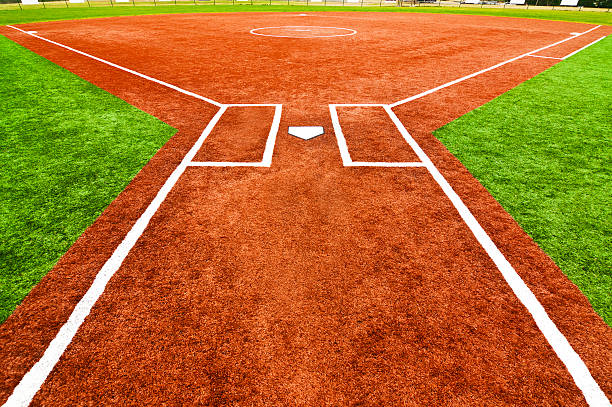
544 151
32 15
67 149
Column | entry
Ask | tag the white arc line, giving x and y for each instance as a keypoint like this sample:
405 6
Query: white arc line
427 92
31 382
593 394
254 31
149 78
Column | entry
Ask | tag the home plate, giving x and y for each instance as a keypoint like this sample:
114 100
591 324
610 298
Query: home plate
306 132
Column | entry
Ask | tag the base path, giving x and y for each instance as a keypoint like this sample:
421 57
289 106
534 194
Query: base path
246 266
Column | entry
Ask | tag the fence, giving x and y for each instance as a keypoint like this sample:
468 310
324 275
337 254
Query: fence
583 5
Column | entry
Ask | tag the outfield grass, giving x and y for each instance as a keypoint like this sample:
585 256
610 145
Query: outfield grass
32 15
544 151
67 149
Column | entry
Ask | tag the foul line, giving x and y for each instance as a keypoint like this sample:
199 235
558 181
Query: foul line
562 348
32 381
427 92
586 46
572 361
149 78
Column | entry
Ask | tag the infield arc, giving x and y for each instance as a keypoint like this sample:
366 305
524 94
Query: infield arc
303 31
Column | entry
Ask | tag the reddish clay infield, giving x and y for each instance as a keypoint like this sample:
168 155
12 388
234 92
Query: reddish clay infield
307 282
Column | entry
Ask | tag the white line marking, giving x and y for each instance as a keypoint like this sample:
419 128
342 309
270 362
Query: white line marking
586 46
430 91
266 161
360 104
347 161
542 56
166 84
344 153
384 164
29 385
589 30
254 31
251 104
269 151
226 164
572 361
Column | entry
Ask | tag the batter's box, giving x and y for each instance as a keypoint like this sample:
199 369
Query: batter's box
240 135
371 135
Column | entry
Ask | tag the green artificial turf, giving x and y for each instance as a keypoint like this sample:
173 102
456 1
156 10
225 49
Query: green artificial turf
67 149
544 151
75 12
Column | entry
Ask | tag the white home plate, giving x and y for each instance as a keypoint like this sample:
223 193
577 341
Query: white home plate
306 132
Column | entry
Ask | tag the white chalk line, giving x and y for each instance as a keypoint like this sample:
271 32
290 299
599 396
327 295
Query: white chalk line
542 56
33 380
562 348
572 361
464 78
585 47
266 160
384 164
104 61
